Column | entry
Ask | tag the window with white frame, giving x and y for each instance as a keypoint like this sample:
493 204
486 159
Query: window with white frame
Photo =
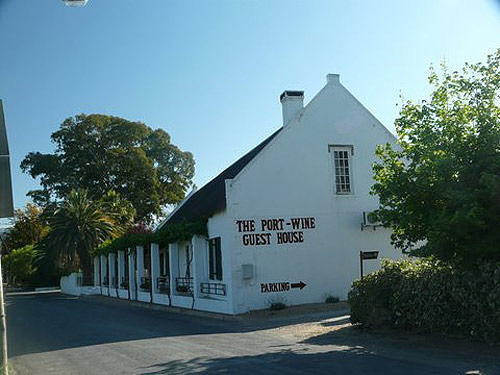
214 259
342 168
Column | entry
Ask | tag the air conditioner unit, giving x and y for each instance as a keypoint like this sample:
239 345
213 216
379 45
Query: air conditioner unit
368 221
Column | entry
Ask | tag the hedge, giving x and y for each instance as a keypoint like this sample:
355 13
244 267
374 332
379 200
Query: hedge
431 296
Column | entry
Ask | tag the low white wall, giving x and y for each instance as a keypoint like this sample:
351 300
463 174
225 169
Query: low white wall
123 293
213 305
160 299
143 296
69 284
182 301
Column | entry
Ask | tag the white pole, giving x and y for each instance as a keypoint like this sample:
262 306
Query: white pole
3 324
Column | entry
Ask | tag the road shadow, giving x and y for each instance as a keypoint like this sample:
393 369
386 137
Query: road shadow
288 361
51 322
48 322
40 323
344 333
449 353
347 350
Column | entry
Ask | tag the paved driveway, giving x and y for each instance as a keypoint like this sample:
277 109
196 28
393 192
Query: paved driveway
57 334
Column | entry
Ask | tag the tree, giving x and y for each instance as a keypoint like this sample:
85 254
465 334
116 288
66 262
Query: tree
78 226
29 228
101 153
120 210
20 264
439 189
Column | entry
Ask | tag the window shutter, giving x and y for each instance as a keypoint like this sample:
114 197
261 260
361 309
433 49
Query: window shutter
211 270
218 259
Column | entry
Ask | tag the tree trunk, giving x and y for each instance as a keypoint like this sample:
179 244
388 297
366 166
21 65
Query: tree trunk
85 263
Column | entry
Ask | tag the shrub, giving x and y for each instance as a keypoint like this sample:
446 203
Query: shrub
431 296
332 299
277 306
20 263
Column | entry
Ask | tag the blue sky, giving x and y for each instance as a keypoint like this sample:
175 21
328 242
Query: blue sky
210 72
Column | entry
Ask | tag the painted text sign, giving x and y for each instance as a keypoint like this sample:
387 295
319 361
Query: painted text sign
280 286
274 231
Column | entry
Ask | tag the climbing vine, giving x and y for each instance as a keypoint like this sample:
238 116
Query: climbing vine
170 233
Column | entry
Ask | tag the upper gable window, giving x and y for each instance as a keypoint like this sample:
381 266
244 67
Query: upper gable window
342 165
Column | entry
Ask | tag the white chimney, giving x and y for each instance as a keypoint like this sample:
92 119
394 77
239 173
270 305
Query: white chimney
333 78
292 102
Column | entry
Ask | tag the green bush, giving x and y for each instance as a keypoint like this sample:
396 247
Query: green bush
431 296
277 306
332 299
20 263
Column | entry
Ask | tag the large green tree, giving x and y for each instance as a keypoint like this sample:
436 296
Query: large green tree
439 189
101 153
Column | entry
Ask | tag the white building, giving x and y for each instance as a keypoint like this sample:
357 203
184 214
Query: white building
285 220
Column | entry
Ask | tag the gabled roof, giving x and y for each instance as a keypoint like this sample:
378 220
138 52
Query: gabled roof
211 198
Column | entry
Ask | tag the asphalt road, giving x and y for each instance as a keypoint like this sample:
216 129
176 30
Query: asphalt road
57 334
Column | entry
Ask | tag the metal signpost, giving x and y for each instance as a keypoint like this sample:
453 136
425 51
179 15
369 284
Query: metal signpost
6 210
3 325
363 255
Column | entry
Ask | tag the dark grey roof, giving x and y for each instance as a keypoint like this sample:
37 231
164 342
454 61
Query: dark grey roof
211 198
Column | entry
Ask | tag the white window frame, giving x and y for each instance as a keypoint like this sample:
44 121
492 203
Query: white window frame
348 180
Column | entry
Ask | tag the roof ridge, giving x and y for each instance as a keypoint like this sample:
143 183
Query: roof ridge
211 197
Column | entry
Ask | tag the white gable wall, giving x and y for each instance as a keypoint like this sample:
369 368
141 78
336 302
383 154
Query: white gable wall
293 177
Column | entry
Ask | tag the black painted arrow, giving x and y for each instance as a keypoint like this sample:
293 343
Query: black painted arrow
300 285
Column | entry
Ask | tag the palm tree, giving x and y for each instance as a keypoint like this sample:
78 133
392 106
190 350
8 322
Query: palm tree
78 226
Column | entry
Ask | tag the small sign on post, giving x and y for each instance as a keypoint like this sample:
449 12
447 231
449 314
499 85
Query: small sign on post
369 254
363 255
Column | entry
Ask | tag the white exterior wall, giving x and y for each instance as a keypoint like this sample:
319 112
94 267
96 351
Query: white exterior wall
219 225
293 177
